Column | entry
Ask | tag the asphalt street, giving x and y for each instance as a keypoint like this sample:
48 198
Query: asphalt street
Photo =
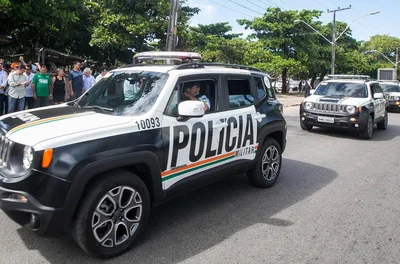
336 201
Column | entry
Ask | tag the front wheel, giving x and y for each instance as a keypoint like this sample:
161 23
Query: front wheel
384 123
368 130
113 214
268 166
306 127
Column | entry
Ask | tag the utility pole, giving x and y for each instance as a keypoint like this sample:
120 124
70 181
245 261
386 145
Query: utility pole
334 35
172 26
397 63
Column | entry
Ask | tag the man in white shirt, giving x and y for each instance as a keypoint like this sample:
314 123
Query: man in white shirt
16 94
88 79
29 99
193 93
103 72
3 86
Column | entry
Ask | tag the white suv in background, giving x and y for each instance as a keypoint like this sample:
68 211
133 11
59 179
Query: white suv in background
352 102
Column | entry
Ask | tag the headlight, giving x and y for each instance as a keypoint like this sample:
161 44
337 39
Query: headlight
308 105
396 98
27 157
351 109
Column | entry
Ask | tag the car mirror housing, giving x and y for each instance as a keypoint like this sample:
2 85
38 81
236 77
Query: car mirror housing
188 109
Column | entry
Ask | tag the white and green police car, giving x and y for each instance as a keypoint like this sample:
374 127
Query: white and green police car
353 102
391 89
97 165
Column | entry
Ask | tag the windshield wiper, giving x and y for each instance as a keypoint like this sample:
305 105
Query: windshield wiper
105 109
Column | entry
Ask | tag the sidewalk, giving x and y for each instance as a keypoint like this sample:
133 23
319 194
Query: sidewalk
292 99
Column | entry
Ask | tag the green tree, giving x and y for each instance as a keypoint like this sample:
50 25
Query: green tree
281 35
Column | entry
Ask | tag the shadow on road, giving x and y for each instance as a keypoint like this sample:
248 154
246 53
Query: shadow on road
200 220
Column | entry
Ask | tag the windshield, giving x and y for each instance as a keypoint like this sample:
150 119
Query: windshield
336 89
390 88
124 92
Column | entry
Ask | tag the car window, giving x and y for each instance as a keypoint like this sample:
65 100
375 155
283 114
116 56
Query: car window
124 92
389 88
182 92
239 93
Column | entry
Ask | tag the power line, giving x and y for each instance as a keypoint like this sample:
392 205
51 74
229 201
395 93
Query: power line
264 3
230 9
292 3
318 2
245 7
255 4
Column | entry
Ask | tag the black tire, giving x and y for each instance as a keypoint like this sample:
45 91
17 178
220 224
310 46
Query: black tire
384 123
305 127
368 130
103 196
263 174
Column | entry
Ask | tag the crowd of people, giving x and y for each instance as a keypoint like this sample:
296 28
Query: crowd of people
28 85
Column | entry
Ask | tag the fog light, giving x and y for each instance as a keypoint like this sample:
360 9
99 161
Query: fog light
34 221
18 198
303 118
357 125
353 119
398 103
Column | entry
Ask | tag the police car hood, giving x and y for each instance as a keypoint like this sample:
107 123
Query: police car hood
343 100
34 126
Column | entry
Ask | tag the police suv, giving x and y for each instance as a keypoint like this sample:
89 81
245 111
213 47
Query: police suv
391 90
96 166
352 102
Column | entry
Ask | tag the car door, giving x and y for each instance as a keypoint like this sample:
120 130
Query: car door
379 104
237 106
193 144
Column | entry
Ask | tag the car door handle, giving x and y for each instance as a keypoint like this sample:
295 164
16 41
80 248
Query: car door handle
220 125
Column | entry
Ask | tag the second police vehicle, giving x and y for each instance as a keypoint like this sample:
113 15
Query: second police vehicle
144 133
353 102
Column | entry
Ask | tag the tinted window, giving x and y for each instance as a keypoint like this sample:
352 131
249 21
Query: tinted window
358 90
239 93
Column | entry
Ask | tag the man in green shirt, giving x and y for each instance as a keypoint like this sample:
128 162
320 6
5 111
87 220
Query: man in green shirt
42 87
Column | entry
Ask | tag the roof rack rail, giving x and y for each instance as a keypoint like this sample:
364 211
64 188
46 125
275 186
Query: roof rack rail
196 65
348 76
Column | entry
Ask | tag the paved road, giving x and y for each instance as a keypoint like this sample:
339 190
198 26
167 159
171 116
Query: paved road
336 201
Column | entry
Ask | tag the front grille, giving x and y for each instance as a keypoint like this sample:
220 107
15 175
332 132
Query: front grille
5 149
328 108
390 97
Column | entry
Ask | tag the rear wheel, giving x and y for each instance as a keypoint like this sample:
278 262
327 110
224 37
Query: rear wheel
384 123
305 127
368 130
268 166
113 214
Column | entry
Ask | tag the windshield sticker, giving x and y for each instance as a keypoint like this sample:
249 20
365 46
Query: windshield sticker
267 82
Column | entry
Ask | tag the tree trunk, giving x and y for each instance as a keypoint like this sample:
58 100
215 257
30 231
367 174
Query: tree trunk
284 84
313 81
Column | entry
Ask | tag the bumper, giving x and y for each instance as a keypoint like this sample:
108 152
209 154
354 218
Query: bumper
346 122
32 209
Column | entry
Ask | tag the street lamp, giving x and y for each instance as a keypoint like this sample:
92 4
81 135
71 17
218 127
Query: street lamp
395 64
334 38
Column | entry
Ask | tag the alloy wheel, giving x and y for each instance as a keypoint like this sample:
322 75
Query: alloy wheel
270 163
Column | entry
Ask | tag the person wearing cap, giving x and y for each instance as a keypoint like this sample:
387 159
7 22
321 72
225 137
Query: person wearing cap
17 81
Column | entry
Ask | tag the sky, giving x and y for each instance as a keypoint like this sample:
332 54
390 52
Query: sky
363 27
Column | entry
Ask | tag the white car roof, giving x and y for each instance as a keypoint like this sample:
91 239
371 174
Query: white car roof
207 69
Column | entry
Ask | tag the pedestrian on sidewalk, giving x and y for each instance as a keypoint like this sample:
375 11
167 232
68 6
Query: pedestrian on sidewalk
3 87
88 79
307 89
60 87
17 81
29 100
76 81
42 88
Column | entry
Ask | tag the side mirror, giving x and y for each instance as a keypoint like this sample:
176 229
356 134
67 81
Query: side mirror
189 109
312 91
378 95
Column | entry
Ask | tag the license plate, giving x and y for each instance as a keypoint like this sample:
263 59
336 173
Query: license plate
326 119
